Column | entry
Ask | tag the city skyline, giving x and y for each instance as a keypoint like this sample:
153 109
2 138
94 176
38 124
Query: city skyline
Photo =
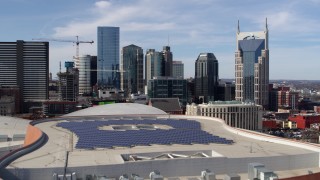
189 28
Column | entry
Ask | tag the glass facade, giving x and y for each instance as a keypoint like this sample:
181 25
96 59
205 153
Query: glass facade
108 57
178 69
206 78
251 51
164 87
153 64
84 74
166 61
132 69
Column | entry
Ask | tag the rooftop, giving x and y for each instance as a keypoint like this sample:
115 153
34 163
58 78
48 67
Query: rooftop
174 159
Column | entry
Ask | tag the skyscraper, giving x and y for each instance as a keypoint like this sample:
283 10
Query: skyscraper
108 57
252 67
153 64
93 73
84 74
166 61
206 77
177 69
131 69
25 65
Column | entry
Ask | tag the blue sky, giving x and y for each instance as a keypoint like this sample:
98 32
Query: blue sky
193 27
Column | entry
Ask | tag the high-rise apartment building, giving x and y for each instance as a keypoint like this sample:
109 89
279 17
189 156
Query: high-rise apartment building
177 69
252 67
108 57
166 61
287 98
131 68
206 78
153 64
25 65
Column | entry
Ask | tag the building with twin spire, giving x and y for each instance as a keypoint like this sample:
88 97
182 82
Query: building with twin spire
252 66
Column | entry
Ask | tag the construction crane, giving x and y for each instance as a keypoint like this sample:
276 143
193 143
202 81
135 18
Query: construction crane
77 42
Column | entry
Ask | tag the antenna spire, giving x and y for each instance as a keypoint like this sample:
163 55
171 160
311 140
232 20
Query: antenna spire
238 27
266 24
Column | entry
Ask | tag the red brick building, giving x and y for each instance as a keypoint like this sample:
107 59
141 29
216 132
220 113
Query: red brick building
287 98
269 124
304 120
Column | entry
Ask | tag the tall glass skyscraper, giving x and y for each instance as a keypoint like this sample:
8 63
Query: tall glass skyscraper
153 64
131 69
252 67
108 57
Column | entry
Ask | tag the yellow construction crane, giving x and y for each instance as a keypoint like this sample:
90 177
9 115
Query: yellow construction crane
77 42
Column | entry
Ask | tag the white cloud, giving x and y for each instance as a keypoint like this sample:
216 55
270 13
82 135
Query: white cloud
102 4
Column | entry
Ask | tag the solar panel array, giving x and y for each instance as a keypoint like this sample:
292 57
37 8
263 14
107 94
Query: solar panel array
183 132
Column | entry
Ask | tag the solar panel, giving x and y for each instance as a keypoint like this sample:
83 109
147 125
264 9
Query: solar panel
183 132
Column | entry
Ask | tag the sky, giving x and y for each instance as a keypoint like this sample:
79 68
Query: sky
189 27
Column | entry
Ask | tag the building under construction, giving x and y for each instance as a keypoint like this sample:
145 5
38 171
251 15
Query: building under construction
69 83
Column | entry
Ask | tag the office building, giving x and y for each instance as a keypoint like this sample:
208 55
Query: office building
168 87
226 91
108 57
93 73
84 68
166 61
206 78
25 65
234 113
177 69
190 88
153 64
131 70
252 67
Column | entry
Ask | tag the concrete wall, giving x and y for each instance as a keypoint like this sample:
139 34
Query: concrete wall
186 166
177 167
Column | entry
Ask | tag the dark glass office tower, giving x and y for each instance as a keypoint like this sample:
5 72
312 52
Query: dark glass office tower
108 57
206 78
131 69
166 61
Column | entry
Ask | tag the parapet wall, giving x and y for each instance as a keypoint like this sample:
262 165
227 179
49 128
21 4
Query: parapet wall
33 134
